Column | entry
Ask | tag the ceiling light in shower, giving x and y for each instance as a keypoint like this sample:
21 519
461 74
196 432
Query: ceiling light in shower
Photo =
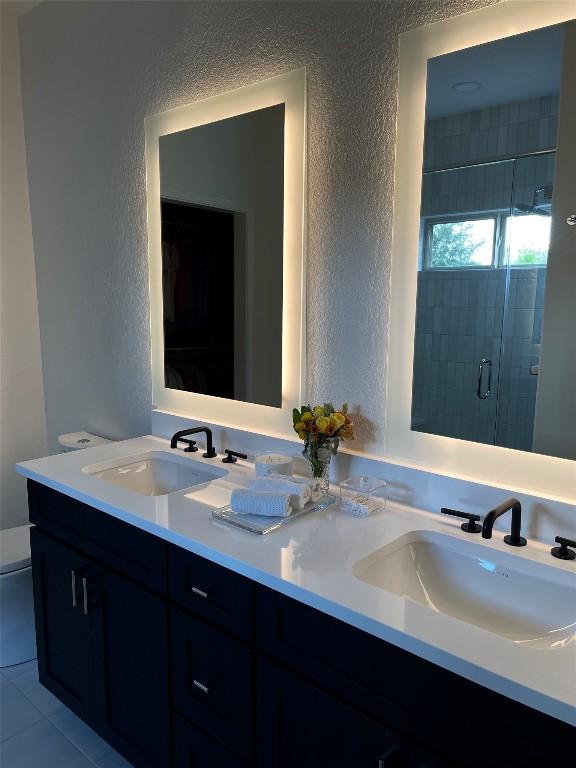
467 86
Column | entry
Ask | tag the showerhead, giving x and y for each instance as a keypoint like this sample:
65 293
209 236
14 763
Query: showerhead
541 202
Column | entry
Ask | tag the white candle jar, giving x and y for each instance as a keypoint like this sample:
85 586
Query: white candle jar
265 463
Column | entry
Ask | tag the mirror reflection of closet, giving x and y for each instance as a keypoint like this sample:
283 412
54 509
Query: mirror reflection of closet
488 204
222 201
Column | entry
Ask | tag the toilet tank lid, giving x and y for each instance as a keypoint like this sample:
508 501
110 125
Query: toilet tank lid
75 440
14 548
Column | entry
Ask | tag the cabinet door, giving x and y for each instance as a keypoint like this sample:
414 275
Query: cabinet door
65 628
134 670
299 725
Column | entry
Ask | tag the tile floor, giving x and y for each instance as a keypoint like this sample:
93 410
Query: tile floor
38 731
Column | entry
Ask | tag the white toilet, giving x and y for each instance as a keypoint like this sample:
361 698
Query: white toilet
17 637
17 640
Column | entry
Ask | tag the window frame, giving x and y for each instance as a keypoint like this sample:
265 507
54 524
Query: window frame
499 260
430 221
505 217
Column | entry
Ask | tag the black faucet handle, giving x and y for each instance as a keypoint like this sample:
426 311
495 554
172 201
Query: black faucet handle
471 526
233 456
562 552
190 445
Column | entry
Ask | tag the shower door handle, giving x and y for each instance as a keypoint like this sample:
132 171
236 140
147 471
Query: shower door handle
486 394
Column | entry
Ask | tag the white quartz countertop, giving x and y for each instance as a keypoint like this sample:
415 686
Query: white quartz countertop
312 559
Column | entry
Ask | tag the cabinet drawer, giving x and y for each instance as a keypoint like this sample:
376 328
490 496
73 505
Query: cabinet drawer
212 682
192 748
215 593
122 546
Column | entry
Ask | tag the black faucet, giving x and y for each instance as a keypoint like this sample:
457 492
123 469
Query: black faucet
210 452
513 538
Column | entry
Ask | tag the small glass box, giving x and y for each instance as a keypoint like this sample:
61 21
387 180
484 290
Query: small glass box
362 495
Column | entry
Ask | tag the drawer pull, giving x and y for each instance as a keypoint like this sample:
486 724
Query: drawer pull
74 595
200 592
84 595
201 686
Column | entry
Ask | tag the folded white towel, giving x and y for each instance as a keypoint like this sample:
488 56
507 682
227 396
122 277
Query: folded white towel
299 494
315 492
245 501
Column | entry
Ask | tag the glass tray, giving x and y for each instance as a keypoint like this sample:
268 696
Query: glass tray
260 524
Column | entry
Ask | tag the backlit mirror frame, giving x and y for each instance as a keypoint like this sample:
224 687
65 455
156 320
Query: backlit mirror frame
500 467
289 89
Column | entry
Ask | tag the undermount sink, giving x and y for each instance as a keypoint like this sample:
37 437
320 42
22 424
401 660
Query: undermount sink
154 473
525 602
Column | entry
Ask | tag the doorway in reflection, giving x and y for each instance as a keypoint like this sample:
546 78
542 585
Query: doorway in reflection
198 286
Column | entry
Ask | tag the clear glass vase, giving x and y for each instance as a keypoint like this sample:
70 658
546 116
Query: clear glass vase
319 454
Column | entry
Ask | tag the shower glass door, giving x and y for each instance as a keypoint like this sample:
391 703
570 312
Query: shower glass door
462 282
526 243
484 244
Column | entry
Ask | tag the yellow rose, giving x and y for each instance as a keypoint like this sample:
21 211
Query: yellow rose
323 423
334 425
319 411
306 417
337 419
300 427
302 435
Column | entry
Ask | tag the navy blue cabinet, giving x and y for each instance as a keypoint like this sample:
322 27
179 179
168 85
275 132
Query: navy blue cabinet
178 662
103 650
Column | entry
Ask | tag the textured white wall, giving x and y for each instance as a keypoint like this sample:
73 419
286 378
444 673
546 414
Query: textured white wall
93 70
22 424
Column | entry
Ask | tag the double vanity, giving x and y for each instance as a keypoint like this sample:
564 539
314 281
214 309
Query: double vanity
394 640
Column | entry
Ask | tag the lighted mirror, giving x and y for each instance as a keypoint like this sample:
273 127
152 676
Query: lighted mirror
222 203
502 226
226 223
494 322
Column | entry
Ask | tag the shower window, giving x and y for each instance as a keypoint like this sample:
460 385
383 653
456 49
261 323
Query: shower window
459 243
471 242
527 240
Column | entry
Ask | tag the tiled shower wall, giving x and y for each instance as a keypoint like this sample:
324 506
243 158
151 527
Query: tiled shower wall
494 133
460 320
